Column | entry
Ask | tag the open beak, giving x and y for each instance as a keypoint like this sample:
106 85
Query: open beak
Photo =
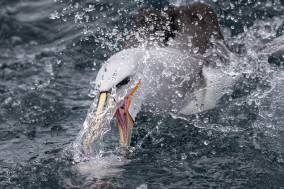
125 121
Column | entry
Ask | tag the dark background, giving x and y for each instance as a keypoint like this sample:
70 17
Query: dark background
50 52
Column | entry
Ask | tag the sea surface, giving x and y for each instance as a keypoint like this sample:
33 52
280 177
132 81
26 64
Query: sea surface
50 53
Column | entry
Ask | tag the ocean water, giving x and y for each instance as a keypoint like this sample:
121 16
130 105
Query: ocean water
50 52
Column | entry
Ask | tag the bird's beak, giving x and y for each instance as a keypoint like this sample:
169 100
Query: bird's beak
125 125
125 120
95 127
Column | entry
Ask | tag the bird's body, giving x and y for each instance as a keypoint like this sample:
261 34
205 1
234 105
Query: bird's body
172 81
172 78
167 75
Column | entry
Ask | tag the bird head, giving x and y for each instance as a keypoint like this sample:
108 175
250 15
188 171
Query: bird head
119 88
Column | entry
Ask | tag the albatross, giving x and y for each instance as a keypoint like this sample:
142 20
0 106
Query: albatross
163 68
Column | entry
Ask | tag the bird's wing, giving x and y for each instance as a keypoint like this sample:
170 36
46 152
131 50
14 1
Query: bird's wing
217 83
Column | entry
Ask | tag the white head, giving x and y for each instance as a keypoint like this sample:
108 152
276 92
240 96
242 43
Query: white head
119 67
118 82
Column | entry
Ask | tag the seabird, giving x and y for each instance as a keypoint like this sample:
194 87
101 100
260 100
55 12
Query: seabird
164 67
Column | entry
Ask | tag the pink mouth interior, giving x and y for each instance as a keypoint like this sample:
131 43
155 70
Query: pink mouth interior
121 115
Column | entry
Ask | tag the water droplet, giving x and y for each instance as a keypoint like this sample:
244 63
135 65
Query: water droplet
205 120
200 16
183 156
179 94
195 50
76 5
250 102
54 15
206 142
142 186
173 101
94 63
280 160
78 17
209 133
90 8
8 100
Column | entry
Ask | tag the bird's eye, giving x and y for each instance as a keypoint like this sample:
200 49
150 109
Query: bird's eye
123 82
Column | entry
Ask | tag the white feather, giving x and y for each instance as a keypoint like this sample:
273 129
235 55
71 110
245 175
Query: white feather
168 76
118 67
217 83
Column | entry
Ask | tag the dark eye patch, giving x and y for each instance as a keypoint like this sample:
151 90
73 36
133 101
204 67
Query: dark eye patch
123 82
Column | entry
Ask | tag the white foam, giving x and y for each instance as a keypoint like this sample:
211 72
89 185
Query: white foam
100 167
